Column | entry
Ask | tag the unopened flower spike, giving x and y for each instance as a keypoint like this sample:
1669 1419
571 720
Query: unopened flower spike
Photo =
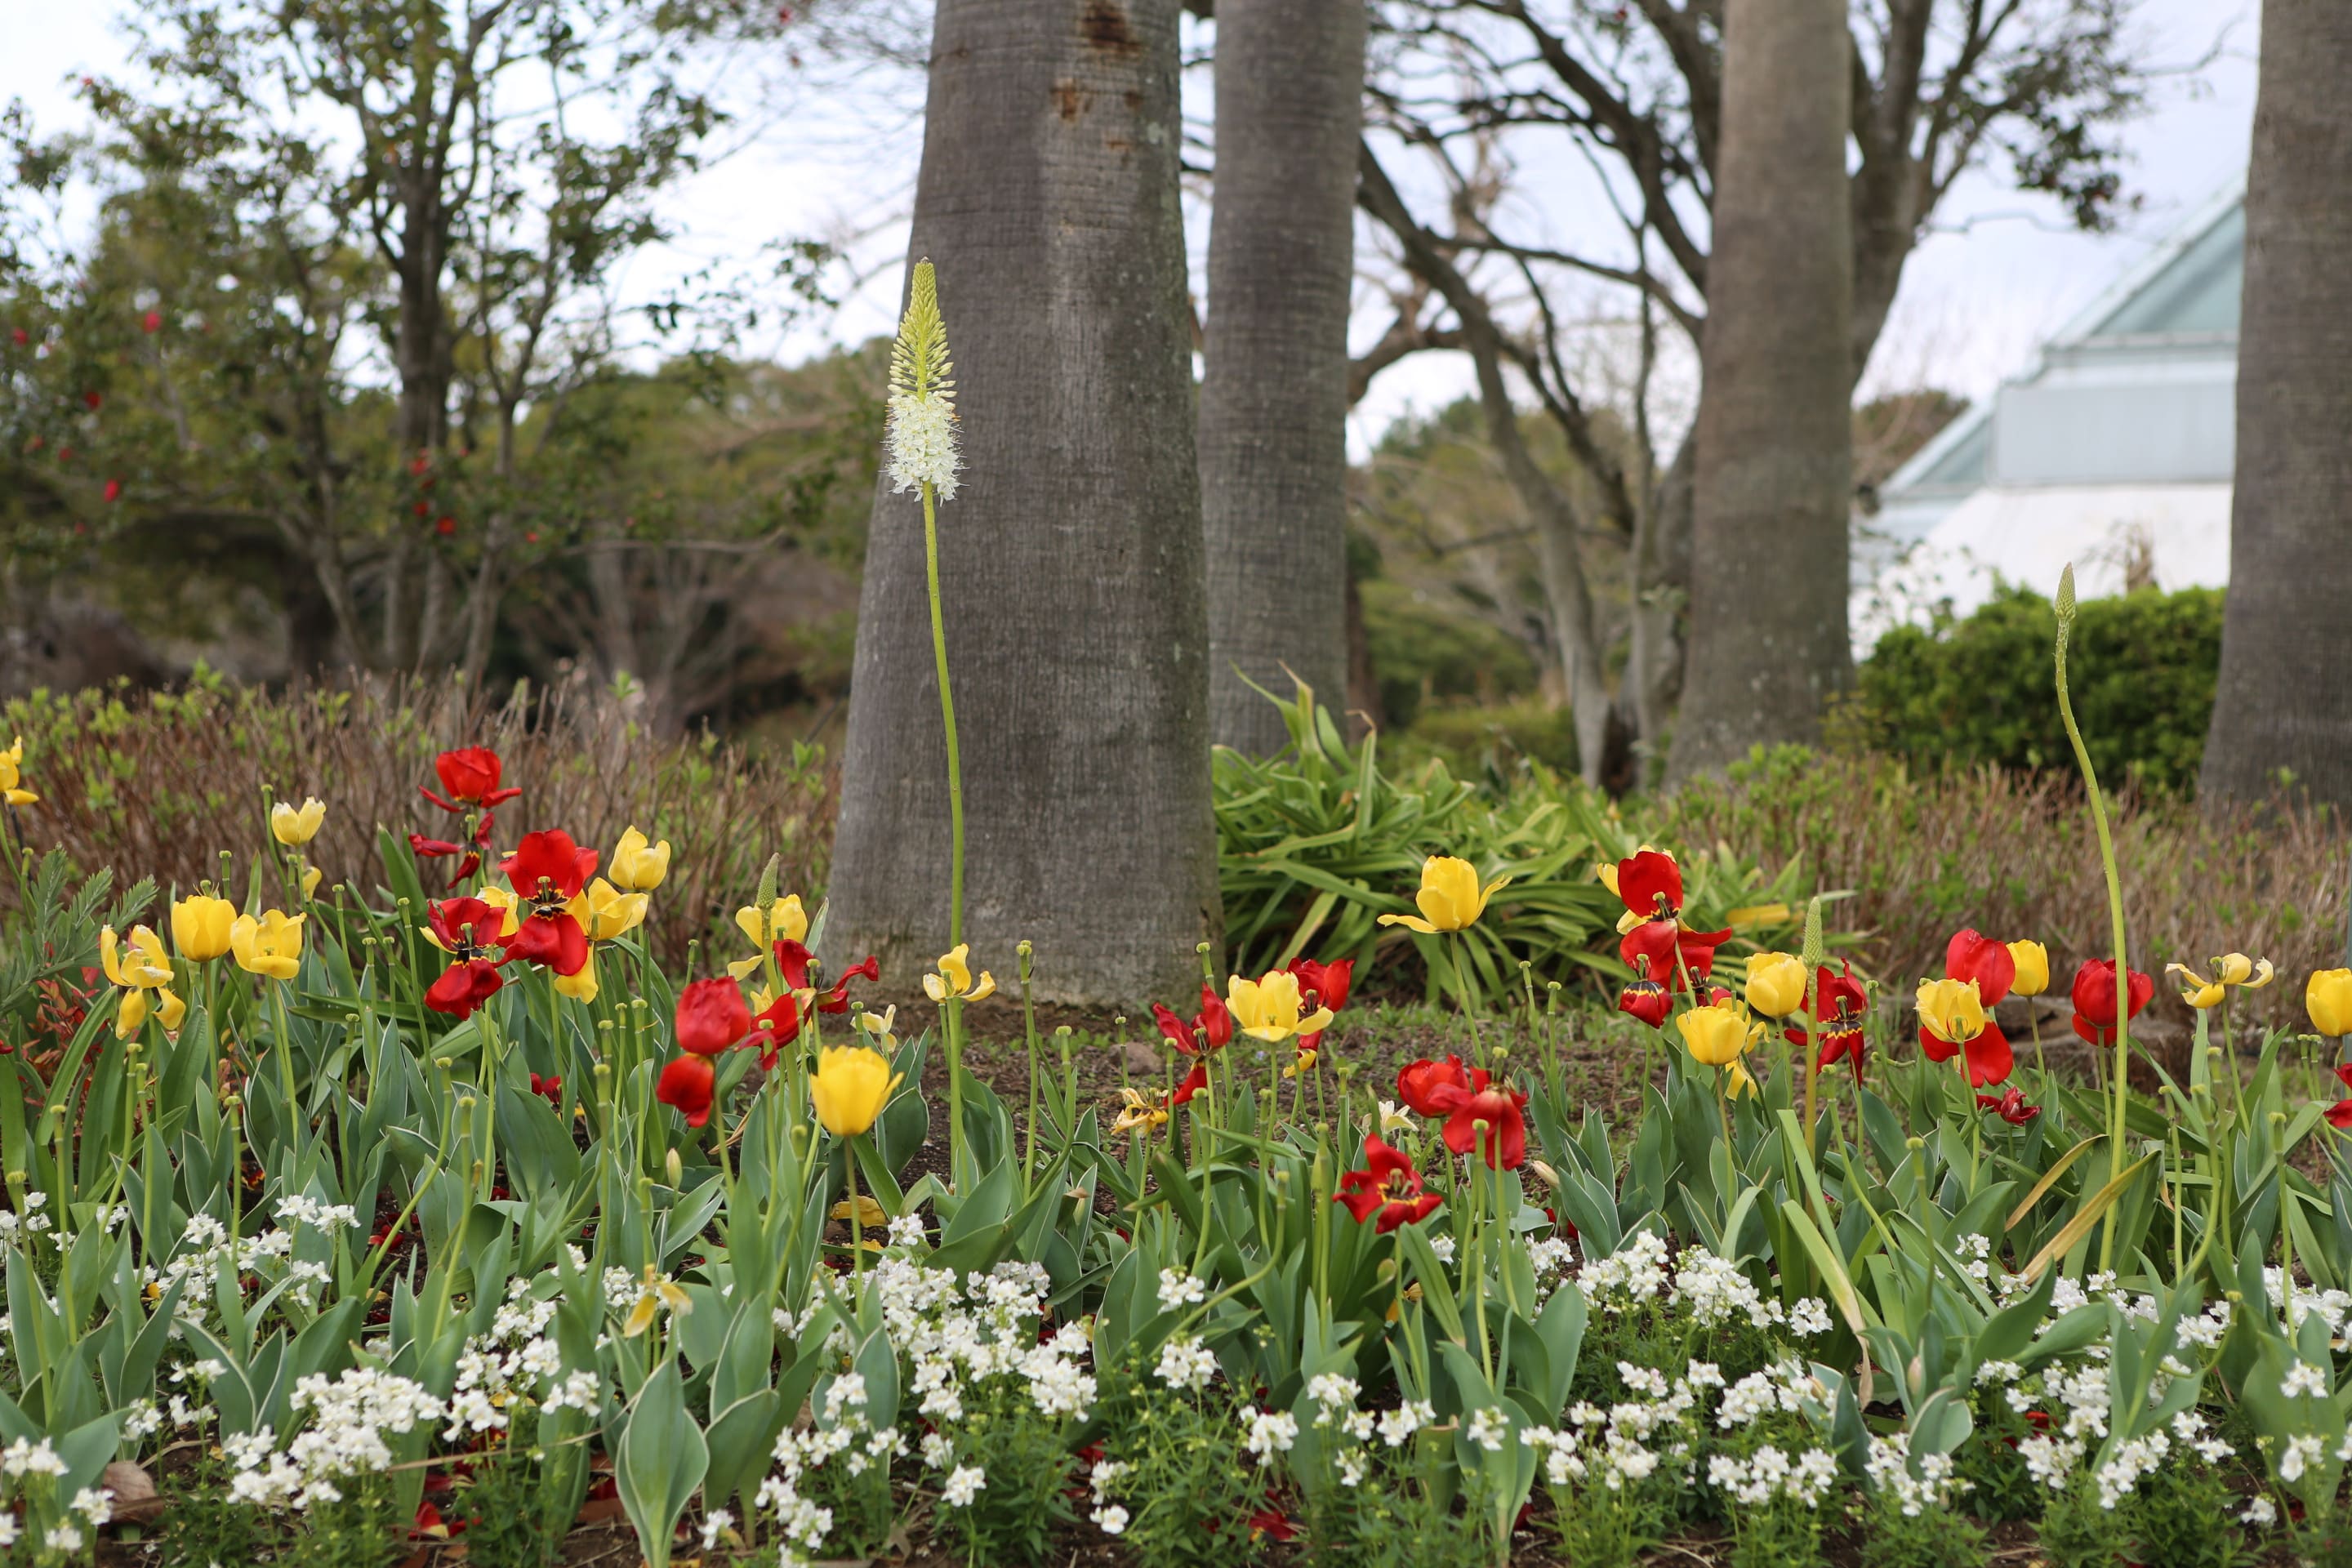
922 436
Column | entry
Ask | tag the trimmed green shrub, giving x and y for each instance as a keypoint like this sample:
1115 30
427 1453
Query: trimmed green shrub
1979 688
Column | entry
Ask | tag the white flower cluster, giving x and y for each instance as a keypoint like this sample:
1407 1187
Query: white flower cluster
1268 1433
1108 1515
922 443
1937 1484
1769 1472
1632 1275
1186 1364
515 1360
1784 1386
1627 1442
329 1217
2335 1306
1179 1291
345 1436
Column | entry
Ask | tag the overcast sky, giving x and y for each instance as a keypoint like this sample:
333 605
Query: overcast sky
1999 275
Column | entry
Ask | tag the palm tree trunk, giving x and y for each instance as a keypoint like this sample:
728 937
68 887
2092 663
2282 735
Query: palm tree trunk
1273 406
1071 555
1768 581
2283 701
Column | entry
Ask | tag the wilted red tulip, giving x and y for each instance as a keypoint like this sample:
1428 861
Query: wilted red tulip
2340 1113
467 930
712 1016
1211 1029
688 1083
470 775
2095 999
1972 956
547 871
1504 1146
1388 1187
2009 1107
1841 1004
1420 1083
1195 1082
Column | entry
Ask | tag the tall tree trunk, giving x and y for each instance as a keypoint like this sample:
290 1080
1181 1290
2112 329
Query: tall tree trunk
2284 697
1071 556
1775 455
1274 407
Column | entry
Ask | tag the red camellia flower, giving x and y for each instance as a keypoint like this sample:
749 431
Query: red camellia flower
2095 999
470 775
1505 1146
688 1083
1420 1084
2009 1107
712 1016
547 871
2340 1113
1840 1003
468 930
1387 1188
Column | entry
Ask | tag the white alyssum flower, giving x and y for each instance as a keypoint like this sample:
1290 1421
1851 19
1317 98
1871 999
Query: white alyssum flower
964 1484
1270 1432
1398 1426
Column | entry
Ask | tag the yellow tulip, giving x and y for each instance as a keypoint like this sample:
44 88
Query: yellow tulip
170 1009
1756 915
869 1213
955 978
200 927
502 898
311 878
2200 993
2328 999
136 964
271 946
1267 1009
579 987
605 912
849 1089
656 1293
1776 983
1715 1035
1738 1083
1952 1010
783 921
12 764
876 1025
638 866
294 827
166 1005
1450 897
2033 960
1141 1111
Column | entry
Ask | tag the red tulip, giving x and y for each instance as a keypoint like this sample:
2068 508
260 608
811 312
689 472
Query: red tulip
1651 884
426 848
795 961
1647 1000
1420 1084
93 399
1210 1029
712 1016
773 1027
2340 1113
469 929
1323 984
1990 1058
1505 1143
113 489
551 1090
688 1083
1388 1187
1664 948
1841 1004
469 774
1989 964
547 870
2011 1107
2095 999
1195 1082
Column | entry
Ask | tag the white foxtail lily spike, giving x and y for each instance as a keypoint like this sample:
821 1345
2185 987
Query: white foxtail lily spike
922 435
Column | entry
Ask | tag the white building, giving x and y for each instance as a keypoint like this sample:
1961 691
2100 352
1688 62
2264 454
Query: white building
2113 452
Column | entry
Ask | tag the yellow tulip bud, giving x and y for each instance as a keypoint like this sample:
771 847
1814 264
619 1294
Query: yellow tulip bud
200 926
638 866
2328 999
849 1089
2033 962
1776 983
1714 1036
271 946
295 827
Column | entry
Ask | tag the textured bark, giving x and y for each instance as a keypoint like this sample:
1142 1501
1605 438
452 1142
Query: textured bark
1273 406
1070 558
1775 453
2284 698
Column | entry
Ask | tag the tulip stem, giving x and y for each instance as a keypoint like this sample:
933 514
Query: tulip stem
2065 612
294 1118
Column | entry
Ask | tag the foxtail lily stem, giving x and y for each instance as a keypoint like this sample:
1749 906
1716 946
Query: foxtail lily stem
2065 610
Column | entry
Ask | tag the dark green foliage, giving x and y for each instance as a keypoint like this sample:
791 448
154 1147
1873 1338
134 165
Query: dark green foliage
1979 688
1428 647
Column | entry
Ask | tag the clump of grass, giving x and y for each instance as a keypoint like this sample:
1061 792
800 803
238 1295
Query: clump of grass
159 782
